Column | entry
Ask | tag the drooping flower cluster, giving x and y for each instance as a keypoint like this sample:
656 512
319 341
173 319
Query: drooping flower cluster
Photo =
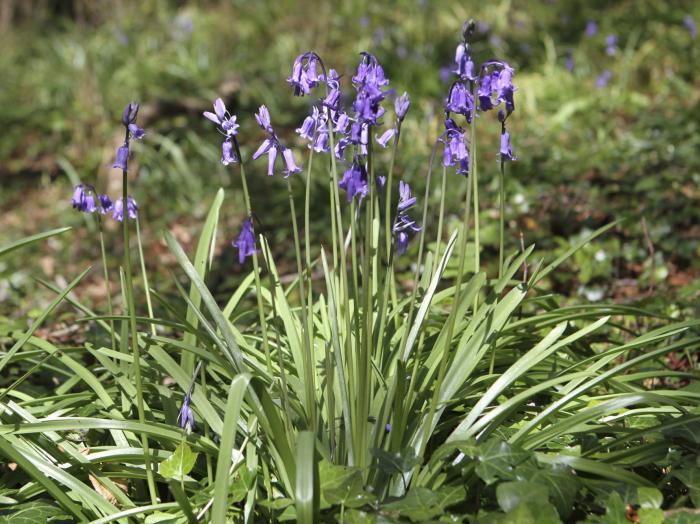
245 241
271 146
471 92
354 181
404 226
132 131
228 127
186 415
87 200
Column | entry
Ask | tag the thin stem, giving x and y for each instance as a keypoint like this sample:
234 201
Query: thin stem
438 240
146 288
502 213
256 268
108 290
309 379
129 289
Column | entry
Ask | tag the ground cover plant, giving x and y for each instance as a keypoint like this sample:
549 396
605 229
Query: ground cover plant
397 375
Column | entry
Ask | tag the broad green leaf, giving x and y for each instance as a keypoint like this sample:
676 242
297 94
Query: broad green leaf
511 494
31 513
690 477
179 464
649 497
342 485
560 480
650 516
421 504
496 459
401 462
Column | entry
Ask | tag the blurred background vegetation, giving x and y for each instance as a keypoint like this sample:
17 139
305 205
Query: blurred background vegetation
590 151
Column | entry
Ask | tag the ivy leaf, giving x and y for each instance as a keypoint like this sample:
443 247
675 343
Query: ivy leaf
691 478
511 494
497 460
559 479
683 517
401 462
342 485
651 515
179 464
418 504
649 498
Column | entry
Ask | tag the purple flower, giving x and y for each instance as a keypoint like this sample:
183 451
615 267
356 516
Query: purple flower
369 72
129 114
496 86
332 100
603 79
689 24
406 201
611 42
455 147
460 101
465 65
506 149
386 136
368 82
289 164
136 131
304 74
401 105
263 119
186 415
118 209
227 154
315 129
84 199
354 181
569 61
387 428
105 204
591 28
381 181
271 146
403 227
245 241
222 118
122 158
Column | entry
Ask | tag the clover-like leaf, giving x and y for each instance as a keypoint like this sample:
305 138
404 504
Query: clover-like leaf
179 464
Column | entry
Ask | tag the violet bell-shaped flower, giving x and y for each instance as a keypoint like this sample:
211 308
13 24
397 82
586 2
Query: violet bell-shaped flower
186 415
506 149
122 159
403 227
354 181
222 118
401 105
465 65
118 209
386 136
245 241
406 201
105 204
83 199
304 75
271 146
227 154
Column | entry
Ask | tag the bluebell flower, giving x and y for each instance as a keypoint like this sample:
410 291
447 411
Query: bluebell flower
222 118
496 86
122 159
465 65
406 201
460 101
569 61
271 146
611 43
315 129
506 149
186 415
403 227
304 75
603 79
386 136
387 428
136 132
401 105
354 181
591 28
118 209
129 114
381 181
105 204
245 241
84 199
332 100
455 151
227 154
689 24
